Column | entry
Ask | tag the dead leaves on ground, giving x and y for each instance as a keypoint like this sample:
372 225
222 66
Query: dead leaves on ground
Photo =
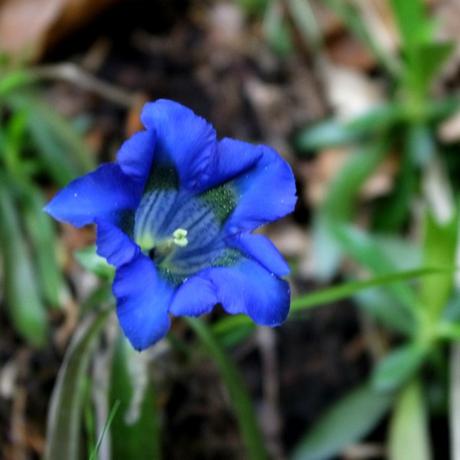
29 27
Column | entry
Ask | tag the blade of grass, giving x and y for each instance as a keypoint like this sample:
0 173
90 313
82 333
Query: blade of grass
305 20
339 205
108 423
368 252
439 250
408 438
454 400
346 422
60 147
43 238
399 367
345 290
135 433
66 406
240 398
25 307
335 293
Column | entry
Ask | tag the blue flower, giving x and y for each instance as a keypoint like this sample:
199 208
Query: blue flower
174 215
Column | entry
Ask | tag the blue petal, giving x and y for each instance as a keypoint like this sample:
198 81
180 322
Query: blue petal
143 299
117 247
184 138
262 250
135 156
196 296
266 193
103 193
233 158
250 289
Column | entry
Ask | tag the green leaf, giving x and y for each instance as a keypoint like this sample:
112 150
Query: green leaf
331 133
430 58
339 205
327 253
408 436
367 251
253 6
347 184
346 422
276 29
392 213
107 425
414 25
91 261
304 18
342 291
62 150
135 432
327 133
43 238
401 253
65 411
21 291
232 330
13 81
420 144
440 242
398 367
242 404
380 305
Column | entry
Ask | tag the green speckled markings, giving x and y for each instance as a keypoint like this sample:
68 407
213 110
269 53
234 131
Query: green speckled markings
221 200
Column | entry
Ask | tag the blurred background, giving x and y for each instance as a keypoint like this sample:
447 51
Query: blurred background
361 97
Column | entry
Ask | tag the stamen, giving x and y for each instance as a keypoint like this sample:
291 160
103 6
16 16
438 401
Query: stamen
164 248
180 237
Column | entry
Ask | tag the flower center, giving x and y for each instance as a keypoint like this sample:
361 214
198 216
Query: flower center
164 247
179 231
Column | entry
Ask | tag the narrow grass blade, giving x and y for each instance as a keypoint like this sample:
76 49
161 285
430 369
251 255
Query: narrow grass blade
22 296
63 152
408 437
324 296
108 423
333 294
135 431
346 422
339 206
369 253
43 238
66 406
398 367
439 246
240 398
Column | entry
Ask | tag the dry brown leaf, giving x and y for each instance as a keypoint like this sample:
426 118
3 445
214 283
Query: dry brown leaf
348 51
350 93
449 130
28 27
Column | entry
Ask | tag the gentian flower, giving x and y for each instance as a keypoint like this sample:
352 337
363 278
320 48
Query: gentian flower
174 215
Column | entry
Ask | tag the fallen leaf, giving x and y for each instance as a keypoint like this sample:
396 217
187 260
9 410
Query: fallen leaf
29 27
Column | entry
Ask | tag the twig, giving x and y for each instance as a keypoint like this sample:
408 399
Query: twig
71 73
